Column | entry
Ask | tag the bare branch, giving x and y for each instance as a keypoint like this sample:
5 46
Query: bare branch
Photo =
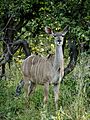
20 24
7 23
73 57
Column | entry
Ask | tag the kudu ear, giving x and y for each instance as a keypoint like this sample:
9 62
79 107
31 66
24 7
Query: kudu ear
65 30
48 30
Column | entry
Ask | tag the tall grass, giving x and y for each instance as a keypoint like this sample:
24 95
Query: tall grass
74 100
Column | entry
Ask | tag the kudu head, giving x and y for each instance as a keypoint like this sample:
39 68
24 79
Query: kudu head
59 36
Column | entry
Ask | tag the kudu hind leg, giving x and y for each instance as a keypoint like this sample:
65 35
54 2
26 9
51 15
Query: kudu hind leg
31 87
28 86
46 90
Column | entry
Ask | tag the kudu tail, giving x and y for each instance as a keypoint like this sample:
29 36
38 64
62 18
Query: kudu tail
19 87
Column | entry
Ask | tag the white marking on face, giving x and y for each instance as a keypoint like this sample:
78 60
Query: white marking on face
59 40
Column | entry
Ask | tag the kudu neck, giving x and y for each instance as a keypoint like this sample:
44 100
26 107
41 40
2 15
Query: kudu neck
58 56
59 52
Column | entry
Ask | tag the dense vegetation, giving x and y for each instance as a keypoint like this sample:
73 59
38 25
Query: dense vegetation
24 20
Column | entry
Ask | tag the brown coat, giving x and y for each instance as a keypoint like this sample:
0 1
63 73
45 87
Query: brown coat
38 69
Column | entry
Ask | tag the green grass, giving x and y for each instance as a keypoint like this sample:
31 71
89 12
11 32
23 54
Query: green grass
74 100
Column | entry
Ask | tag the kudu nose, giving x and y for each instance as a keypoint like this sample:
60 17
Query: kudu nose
59 41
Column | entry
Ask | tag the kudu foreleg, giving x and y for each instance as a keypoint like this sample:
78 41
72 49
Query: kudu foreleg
56 94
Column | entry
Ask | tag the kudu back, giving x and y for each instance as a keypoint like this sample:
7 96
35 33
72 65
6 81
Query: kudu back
44 71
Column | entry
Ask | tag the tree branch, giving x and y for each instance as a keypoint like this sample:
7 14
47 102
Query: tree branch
20 24
73 57
8 22
11 50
